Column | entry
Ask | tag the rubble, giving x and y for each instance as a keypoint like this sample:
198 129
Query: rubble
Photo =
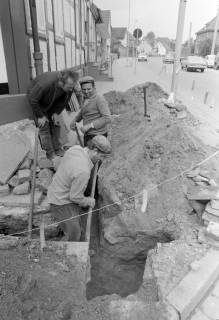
24 175
4 190
23 188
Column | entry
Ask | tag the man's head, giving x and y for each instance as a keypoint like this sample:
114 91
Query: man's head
98 147
88 86
68 80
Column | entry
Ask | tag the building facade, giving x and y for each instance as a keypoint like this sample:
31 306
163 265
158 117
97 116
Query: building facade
206 34
67 36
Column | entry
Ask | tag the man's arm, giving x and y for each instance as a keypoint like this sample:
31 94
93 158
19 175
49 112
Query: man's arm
34 97
103 108
77 190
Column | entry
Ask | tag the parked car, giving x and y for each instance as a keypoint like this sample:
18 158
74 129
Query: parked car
169 58
216 62
142 57
194 63
210 60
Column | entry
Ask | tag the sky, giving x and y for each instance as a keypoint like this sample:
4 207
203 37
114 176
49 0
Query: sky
159 16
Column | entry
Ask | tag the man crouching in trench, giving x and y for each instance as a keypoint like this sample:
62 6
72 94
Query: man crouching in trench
66 192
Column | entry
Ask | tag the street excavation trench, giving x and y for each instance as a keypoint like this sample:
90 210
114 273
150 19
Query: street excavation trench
125 239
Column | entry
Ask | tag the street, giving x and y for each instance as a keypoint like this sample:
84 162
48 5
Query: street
155 71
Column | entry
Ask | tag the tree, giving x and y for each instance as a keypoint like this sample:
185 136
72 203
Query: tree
151 38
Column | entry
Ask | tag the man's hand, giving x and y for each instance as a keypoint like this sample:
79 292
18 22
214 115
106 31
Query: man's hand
73 125
86 128
55 119
90 202
42 121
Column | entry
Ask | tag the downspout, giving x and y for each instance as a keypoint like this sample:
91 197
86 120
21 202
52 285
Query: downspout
37 55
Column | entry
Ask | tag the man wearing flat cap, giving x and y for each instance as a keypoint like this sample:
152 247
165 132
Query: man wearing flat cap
66 192
95 112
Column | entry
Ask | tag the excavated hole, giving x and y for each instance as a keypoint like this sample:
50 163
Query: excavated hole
118 269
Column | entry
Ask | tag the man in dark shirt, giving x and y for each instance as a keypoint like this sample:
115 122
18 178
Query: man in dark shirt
48 95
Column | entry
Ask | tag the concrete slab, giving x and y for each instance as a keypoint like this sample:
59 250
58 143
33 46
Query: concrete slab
188 293
13 151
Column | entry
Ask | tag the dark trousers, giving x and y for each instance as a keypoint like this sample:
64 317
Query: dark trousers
88 137
71 228
49 137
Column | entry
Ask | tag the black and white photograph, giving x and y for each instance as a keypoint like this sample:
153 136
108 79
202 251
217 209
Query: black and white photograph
109 159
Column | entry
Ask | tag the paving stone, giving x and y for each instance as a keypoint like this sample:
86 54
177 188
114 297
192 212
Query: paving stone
23 188
26 164
210 307
213 230
24 175
203 193
199 316
209 209
15 150
214 204
14 181
4 190
13 200
192 288
215 291
210 217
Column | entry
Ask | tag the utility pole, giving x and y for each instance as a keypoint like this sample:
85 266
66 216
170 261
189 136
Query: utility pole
179 35
37 55
215 31
190 35
128 40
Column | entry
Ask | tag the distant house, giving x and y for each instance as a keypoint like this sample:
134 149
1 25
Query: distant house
144 46
122 41
104 36
206 33
163 46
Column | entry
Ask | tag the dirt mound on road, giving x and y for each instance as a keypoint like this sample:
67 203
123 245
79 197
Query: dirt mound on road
146 155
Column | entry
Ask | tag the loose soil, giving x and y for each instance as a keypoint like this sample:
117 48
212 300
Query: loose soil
145 155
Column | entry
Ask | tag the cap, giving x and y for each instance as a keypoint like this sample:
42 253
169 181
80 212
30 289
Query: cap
86 79
102 143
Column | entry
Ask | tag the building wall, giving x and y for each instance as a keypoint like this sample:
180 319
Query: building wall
62 36
61 26
161 50
204 36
